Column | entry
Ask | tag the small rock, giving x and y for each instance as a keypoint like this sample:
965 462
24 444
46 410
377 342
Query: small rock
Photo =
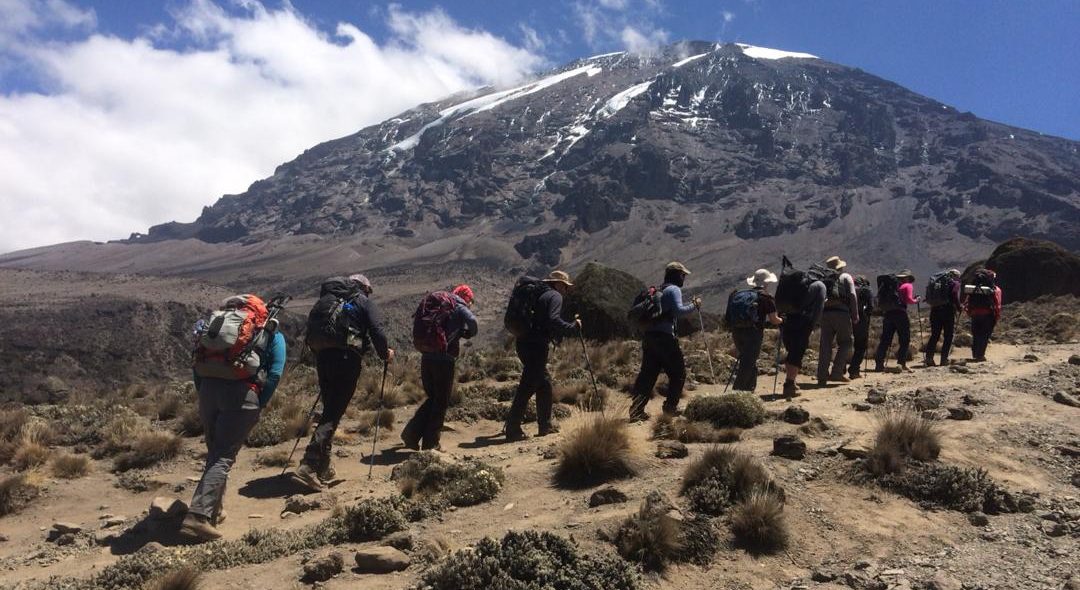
66 527
790 447
960 413
65 539
863 564
151 547
861 407
1068 451
876 396
978 519
1076 479
286 515
821 576
853 452
401 540
606 496
508 507
1074 359
1066 399
970 400
671 449
111 522
817 425
1054 529
942 581
255 516
795 415
299 504
164 508
103 538
550 453
342 453
1031 358
3 538
380 560
962 369
322 569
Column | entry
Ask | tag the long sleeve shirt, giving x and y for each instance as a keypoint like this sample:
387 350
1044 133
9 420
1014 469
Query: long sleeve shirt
552 326
814 303
907 294
365 316
460 324
671 302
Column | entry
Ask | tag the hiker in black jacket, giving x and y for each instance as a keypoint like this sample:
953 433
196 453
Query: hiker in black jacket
943 321
861 331
533 349
339 370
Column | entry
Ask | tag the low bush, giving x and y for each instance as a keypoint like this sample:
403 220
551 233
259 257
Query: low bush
686 431
529 560
461 483
758 523
740 410
373 519
169 407
902 434
28 455
148 449
137 482
269 431
16 491
121 430
650 538
721 477
69 466
595 448
185 578
365 421
11 424
950 487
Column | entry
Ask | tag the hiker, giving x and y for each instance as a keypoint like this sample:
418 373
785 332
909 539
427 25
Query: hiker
747 312
538 304
795 333
864 297
943 297
895 293
342 325
230 403
982 301
660 349
840 316
455 321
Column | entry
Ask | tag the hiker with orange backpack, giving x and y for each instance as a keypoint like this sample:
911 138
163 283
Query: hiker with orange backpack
440 322
982 301
238 361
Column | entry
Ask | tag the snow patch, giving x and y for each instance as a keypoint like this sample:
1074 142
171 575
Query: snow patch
619 101
683 62
602 55
767 53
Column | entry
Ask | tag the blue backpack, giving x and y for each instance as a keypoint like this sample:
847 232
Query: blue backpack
742 309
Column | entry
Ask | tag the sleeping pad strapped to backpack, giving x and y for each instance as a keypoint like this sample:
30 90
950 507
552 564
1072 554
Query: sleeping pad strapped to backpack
429 322
981 293
226 347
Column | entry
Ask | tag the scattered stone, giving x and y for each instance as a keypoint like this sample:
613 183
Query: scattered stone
65 539
299 503
928 400
850 452
401 540
1054 529
380 560
943 581
1031 358
876 396
151 547
508 507
163 508
790 447
795 415
1068 451
286 515
978 519
931 415
962 369
822 575
66 527
1063 398
861 407
3 538
960 413
1074 359
863 564
322 569
671 449
111 522
971 400
815 426
606 496
550 453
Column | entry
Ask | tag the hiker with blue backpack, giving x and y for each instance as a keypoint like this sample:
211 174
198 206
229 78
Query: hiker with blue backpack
838 320
943 297
895 293
441 321
660 350
747 312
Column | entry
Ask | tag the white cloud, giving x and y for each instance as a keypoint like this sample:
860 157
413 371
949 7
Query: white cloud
135 132
640 42
614 4
608 23
728 16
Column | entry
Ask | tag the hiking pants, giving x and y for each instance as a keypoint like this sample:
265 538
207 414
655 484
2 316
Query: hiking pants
437 375
748 343
835 325
796 335
982 326
861 335
895 322
535 379
660 351
942 322
229 410
338 370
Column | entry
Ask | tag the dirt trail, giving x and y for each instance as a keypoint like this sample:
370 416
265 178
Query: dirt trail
834 522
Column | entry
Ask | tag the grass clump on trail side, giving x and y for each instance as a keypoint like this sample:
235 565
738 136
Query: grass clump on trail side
16 492
186 578
148 449
529 560
596 448
686 431
738 410
721 477
902 434
461 483
69 466
657 535
758 523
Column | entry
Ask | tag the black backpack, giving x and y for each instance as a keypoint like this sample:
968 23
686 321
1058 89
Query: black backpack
646 307
939 289
981 293
888 293
742 309
792 289
831 279
521 317
865 296
329 325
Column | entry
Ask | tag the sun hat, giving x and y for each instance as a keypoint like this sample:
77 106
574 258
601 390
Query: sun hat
558 276
905 274
835 263
465 292
362 281
679 267
762 278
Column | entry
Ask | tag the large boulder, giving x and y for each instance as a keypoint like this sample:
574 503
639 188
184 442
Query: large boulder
1028 269
602 295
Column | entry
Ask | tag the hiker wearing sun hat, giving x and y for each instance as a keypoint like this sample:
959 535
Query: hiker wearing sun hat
538 305
746 314
660 350
838 319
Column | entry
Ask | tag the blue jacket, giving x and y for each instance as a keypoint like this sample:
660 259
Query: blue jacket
460 324
671 302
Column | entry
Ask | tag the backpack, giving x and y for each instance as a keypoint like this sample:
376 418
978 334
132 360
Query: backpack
429 322
981 294
865 296
831 279
742 309
792 289
888 293
521 318
939 290
226 345
647 307
328 323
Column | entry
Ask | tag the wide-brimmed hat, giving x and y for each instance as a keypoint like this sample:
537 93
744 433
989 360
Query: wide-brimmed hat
955 272
835 263
905 274
362 281
558 276
679 267
762 278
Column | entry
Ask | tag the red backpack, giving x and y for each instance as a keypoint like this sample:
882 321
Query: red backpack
429 321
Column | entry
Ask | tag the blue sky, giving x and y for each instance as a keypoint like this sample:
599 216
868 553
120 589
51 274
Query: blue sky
119 114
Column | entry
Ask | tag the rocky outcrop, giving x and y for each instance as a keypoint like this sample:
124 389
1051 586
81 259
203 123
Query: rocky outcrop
603 295
1027 269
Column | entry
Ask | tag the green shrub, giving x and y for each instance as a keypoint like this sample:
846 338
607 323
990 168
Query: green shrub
270 431
950 487
461 483
740 410
373 519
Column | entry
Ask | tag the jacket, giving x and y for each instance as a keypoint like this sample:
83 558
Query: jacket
551 325
365 317
271 367
671 302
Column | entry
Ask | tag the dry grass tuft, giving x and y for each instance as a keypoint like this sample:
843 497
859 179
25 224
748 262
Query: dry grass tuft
686 431
148 449
758 523
366 421
650 538
169 407
28 455
596 448
723 476
190 422
69 466
16 491
186 578
273 458
902 434
741 410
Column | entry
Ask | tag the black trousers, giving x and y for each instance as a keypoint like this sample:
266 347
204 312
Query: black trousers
748 343
861 335
437 376
982 327
659 352
535 379
942 323
895 323
338 372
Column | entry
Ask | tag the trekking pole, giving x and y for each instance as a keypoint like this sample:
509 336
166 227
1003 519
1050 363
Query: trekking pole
918 316
708 349
588 365
378 416
731 376
310 414
779 339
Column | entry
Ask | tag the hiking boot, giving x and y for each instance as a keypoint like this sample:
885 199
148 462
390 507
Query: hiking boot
944 361
546 430
515 434
198 528
221 515
790 390
879 367
327 475
840 379
904 368
307 477
639 417
410 441
929 362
